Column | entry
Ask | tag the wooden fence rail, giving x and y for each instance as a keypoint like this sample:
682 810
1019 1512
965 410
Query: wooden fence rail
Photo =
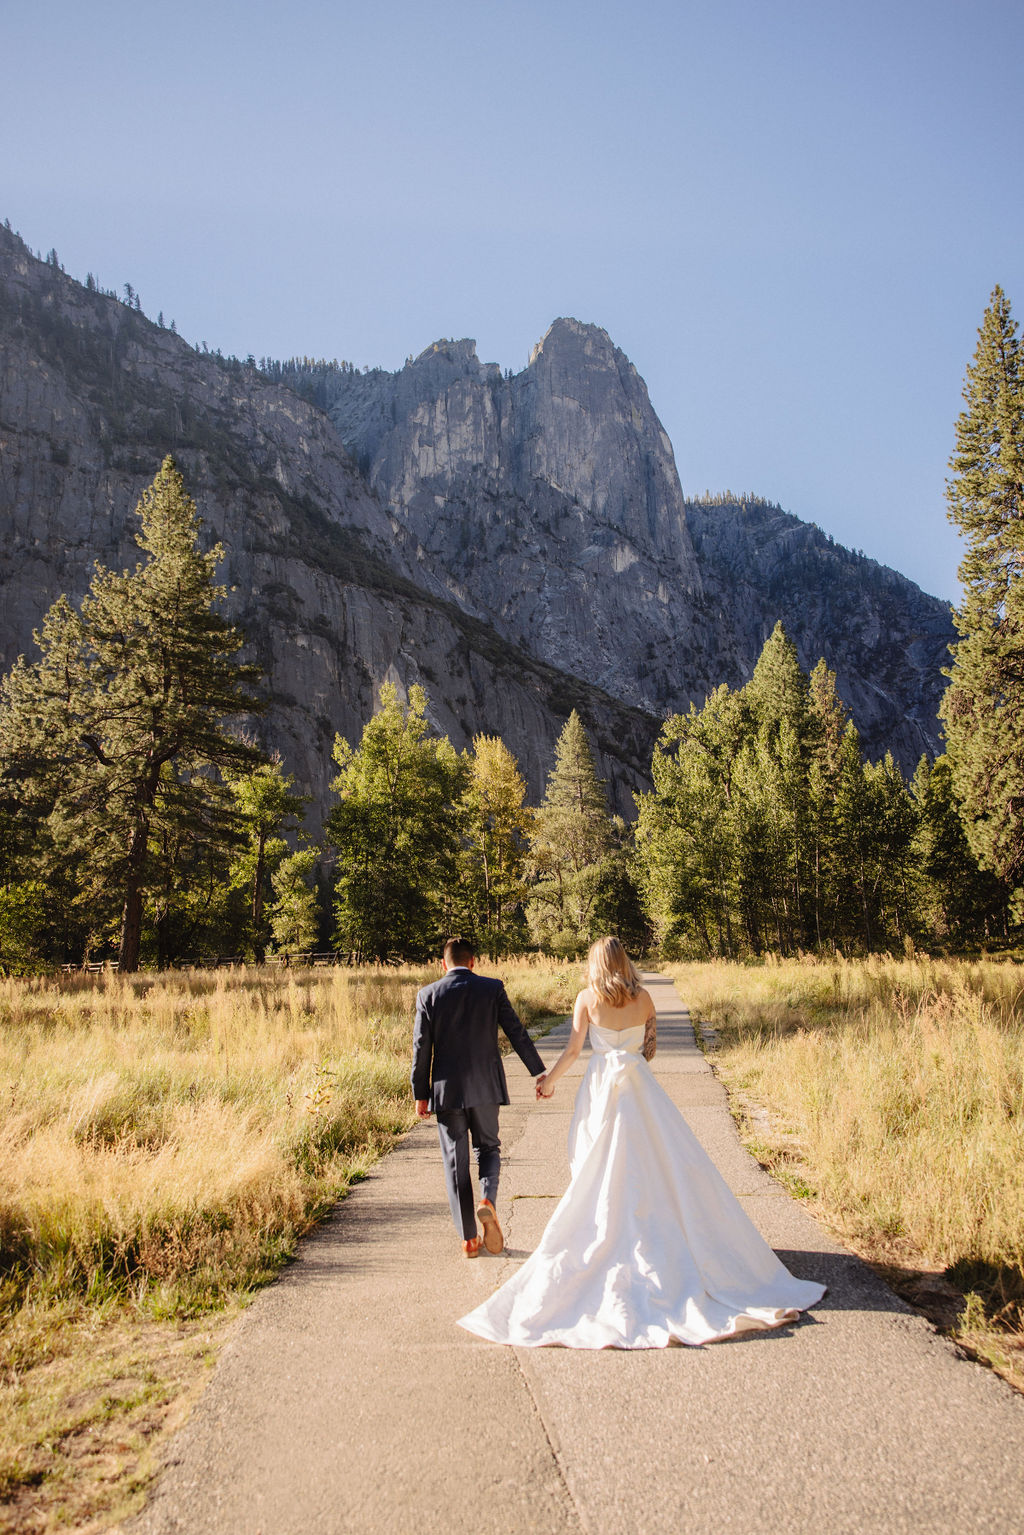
309 957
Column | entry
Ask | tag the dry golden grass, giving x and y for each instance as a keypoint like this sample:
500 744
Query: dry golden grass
892 1094
164 1142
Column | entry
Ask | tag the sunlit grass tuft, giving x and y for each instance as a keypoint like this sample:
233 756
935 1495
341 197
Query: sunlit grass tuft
158 1133
893 1093
165 1140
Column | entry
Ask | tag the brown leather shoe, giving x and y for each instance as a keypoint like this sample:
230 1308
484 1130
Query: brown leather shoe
471 1247
493 1239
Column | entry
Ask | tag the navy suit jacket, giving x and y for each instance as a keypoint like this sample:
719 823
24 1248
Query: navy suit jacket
456 1063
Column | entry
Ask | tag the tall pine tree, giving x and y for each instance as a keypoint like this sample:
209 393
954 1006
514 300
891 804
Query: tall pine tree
688 829
495 823
777 820
264 804
572 837
396 830
828 723
112 736
961 902
984 704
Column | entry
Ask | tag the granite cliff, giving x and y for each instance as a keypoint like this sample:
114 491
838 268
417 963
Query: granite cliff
92 395
519 544
549 504
885 638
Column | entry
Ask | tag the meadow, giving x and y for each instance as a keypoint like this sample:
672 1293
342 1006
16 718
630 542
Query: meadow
165 1141
889 1094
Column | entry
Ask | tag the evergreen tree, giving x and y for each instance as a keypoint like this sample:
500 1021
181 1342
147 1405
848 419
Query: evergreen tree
189 871
875 825
686 833
294 917
763 870
893 823
114 735
984 704
828 719
778 691
774 769
495 824
571 838
42 914
396 831
962 902
853 897
828 724
619 905
766 831
263 804
23 923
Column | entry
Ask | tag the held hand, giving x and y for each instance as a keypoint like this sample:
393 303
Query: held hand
541 1081
423 1108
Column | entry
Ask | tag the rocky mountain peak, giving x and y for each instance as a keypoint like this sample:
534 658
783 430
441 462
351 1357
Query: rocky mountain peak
446 358
589 430
515 543
549 504
574 338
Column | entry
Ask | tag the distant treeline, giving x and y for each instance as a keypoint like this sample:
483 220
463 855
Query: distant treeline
767 832
137 822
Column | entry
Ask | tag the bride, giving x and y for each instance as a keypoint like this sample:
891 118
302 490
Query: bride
648 1245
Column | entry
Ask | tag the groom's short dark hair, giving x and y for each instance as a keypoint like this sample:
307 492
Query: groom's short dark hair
459 951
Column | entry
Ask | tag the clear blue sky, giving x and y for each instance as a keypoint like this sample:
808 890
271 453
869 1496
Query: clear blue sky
789 215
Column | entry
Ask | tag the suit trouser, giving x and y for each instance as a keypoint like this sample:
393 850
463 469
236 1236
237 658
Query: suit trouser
454 1129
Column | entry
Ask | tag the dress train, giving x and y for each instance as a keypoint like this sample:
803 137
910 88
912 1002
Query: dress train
648 1245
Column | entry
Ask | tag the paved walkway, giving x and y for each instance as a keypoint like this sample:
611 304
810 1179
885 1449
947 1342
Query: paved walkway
348 1401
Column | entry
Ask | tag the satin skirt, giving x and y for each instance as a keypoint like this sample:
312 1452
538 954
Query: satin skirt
648 1245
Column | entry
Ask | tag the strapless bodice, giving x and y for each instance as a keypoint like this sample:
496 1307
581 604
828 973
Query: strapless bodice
604 1041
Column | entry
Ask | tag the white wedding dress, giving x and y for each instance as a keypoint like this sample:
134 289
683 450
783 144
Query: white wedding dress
648 1245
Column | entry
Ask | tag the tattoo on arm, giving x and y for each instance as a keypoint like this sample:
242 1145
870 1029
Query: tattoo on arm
650 1043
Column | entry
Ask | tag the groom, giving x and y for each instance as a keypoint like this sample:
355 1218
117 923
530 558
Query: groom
457 1073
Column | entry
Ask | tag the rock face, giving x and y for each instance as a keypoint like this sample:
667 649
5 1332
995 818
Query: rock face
519 545
93 395
886 640
549 503
546 503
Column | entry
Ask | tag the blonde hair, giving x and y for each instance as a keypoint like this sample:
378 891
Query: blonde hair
611 972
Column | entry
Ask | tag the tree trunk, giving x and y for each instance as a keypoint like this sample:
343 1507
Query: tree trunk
131 920
862 882
131 928
259 947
